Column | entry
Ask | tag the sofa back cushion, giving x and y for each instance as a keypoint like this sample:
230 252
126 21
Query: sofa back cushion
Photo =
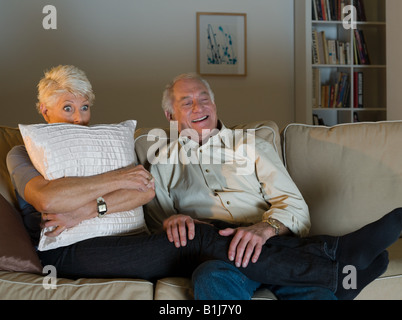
149 140
16 250
9 137
349 175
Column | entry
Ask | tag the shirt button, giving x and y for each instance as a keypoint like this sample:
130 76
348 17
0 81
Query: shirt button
207 170
227 202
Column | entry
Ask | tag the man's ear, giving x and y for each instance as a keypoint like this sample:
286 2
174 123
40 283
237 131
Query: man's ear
43 111
168 116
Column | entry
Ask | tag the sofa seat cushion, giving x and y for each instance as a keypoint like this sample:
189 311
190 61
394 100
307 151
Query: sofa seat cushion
175 288
350 175
395 261
25 286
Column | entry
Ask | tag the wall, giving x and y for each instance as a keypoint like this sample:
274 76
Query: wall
394 54
131 48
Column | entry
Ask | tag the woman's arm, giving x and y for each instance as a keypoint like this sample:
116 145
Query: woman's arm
117 201
71 193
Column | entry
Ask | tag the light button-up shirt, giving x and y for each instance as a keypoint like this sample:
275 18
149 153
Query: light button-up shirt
234 177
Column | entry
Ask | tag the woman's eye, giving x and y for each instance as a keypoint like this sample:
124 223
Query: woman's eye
68 108
85 108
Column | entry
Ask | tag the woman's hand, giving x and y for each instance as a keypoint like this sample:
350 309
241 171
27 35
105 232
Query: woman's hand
64 221
136 177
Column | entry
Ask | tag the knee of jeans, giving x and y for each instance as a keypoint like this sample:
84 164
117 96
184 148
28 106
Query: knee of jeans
212 268
218 270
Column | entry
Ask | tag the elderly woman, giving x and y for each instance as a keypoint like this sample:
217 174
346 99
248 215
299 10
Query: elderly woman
65 95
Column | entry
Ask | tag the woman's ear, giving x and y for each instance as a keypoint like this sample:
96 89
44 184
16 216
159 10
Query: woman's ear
44 111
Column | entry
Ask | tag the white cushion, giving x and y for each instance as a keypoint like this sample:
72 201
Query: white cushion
68 150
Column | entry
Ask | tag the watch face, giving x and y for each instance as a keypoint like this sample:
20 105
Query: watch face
102 208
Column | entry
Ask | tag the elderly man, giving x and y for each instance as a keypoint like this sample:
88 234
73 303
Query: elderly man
253 206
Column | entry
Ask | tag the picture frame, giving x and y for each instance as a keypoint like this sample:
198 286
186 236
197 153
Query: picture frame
221 44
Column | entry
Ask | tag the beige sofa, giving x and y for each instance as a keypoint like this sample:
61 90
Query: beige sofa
349 175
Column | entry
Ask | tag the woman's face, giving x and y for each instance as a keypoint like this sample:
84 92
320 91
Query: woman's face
68 109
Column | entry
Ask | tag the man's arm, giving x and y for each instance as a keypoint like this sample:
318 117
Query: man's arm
288 208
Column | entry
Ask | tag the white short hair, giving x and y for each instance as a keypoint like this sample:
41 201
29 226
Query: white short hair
60 80
167 99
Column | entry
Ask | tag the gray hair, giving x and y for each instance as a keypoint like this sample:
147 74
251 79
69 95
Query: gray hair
167 99
60 80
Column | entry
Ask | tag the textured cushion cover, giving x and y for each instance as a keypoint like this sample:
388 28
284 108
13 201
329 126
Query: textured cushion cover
25 286
16 250
67 150
349 175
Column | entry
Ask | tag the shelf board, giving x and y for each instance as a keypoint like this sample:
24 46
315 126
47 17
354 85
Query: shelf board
359 23
360 66
350 109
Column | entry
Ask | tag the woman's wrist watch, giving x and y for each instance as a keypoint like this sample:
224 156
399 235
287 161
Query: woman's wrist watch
102 207
274 224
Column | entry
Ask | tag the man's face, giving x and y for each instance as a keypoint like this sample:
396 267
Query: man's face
193 107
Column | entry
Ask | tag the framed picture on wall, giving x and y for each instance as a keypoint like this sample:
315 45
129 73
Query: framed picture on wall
221 44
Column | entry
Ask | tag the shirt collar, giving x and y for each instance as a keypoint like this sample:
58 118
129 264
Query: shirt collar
223 137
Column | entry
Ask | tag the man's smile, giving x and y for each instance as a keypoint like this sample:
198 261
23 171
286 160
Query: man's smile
200 119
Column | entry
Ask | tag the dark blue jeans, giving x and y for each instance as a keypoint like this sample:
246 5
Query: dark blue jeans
218 280
286 261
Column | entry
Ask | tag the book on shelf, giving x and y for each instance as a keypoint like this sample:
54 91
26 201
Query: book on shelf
361 12
334 94
361 54
332 10
358 87
328 51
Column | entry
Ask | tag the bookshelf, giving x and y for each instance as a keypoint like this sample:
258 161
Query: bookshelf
340 72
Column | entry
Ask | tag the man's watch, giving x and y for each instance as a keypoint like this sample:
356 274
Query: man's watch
274 224
102 207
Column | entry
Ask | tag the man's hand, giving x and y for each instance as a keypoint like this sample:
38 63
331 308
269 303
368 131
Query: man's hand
247 242
179 228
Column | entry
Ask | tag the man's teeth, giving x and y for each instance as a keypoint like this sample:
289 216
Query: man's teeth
201 119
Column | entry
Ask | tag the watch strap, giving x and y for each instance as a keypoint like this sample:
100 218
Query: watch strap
274 224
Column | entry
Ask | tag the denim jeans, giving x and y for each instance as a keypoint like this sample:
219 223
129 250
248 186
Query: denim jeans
218 280
283 261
